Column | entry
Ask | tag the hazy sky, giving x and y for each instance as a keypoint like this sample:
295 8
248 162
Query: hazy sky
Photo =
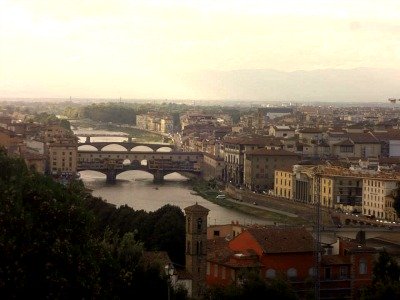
133 49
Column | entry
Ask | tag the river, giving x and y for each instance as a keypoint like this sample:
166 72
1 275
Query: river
137 190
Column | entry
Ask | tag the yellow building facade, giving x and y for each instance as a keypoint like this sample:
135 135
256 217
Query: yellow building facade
378 197
283 186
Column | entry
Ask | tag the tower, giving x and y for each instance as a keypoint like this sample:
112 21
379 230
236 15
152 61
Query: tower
196 247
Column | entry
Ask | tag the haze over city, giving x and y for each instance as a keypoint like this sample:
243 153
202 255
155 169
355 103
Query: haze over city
250 50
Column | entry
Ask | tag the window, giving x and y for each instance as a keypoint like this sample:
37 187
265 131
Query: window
215 270
199 224
312 272
328 273
346 149
223 272
343 272
363 266
292 273
270 274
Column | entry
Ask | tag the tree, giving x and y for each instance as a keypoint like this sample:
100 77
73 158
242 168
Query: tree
386 279
253 286
51 246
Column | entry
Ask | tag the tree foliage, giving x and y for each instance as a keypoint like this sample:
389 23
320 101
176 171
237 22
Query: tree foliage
253 286
386 283
51 244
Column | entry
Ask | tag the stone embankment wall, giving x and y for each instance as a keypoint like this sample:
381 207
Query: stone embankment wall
303 210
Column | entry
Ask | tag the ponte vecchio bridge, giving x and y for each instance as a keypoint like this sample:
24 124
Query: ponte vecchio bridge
112 163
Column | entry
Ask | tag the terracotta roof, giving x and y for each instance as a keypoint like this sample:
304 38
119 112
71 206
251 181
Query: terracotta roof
323 143
310 130
270 152
196 208
234 259
359 138
389 135
283 239
285 169
250 140
345 143
335 260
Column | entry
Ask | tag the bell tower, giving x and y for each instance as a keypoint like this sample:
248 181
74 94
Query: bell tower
196 247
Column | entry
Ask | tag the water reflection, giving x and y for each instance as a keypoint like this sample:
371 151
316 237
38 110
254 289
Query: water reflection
137 190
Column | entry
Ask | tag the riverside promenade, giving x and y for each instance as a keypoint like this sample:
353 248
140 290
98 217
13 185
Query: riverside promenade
279 205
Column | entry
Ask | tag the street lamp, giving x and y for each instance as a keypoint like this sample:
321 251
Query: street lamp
169 271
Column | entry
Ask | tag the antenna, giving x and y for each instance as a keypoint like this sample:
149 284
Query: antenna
317 258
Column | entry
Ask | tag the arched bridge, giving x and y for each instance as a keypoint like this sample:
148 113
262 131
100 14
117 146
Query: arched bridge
112 163
129 145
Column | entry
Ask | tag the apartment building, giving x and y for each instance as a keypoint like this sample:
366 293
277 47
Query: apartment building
379 193
335 187
284 183
63 156
234 148
260 166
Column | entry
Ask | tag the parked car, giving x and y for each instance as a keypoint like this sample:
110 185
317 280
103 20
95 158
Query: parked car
220 196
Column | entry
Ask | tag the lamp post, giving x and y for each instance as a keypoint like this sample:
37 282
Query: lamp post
169 271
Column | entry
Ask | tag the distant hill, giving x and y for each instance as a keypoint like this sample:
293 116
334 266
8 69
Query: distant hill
355 85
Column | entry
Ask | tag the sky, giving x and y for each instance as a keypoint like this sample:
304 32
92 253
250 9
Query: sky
145 49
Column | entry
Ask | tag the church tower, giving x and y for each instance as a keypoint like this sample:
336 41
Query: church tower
196 247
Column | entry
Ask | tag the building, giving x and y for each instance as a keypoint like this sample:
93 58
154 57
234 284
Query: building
10 141
213 167
281 131
63 157
283 186
378 196
141 121
166 125
272 251
234 149
196 247
260 166
357 145
265 114
289 253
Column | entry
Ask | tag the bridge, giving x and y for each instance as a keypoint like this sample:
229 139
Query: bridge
129 145
110 134
159 164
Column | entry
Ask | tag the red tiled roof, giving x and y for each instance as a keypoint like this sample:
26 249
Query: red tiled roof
310 130
251 140
359 138
345 143
283 239
270 152
196 208
390 135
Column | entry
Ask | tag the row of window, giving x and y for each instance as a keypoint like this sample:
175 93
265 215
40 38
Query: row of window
291 273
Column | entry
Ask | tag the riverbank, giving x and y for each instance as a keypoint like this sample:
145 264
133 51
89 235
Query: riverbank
139 134
209 191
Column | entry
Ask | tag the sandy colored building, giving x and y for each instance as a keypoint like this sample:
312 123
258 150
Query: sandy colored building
378 197
63 156
284 183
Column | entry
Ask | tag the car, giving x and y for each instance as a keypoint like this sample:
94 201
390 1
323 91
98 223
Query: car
254 203
220 196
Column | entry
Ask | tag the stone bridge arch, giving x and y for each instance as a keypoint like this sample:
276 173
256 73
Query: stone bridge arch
141 148
120 145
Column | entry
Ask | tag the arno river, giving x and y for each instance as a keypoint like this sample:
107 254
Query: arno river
137 190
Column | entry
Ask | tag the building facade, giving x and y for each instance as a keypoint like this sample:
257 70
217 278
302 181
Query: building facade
196 247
